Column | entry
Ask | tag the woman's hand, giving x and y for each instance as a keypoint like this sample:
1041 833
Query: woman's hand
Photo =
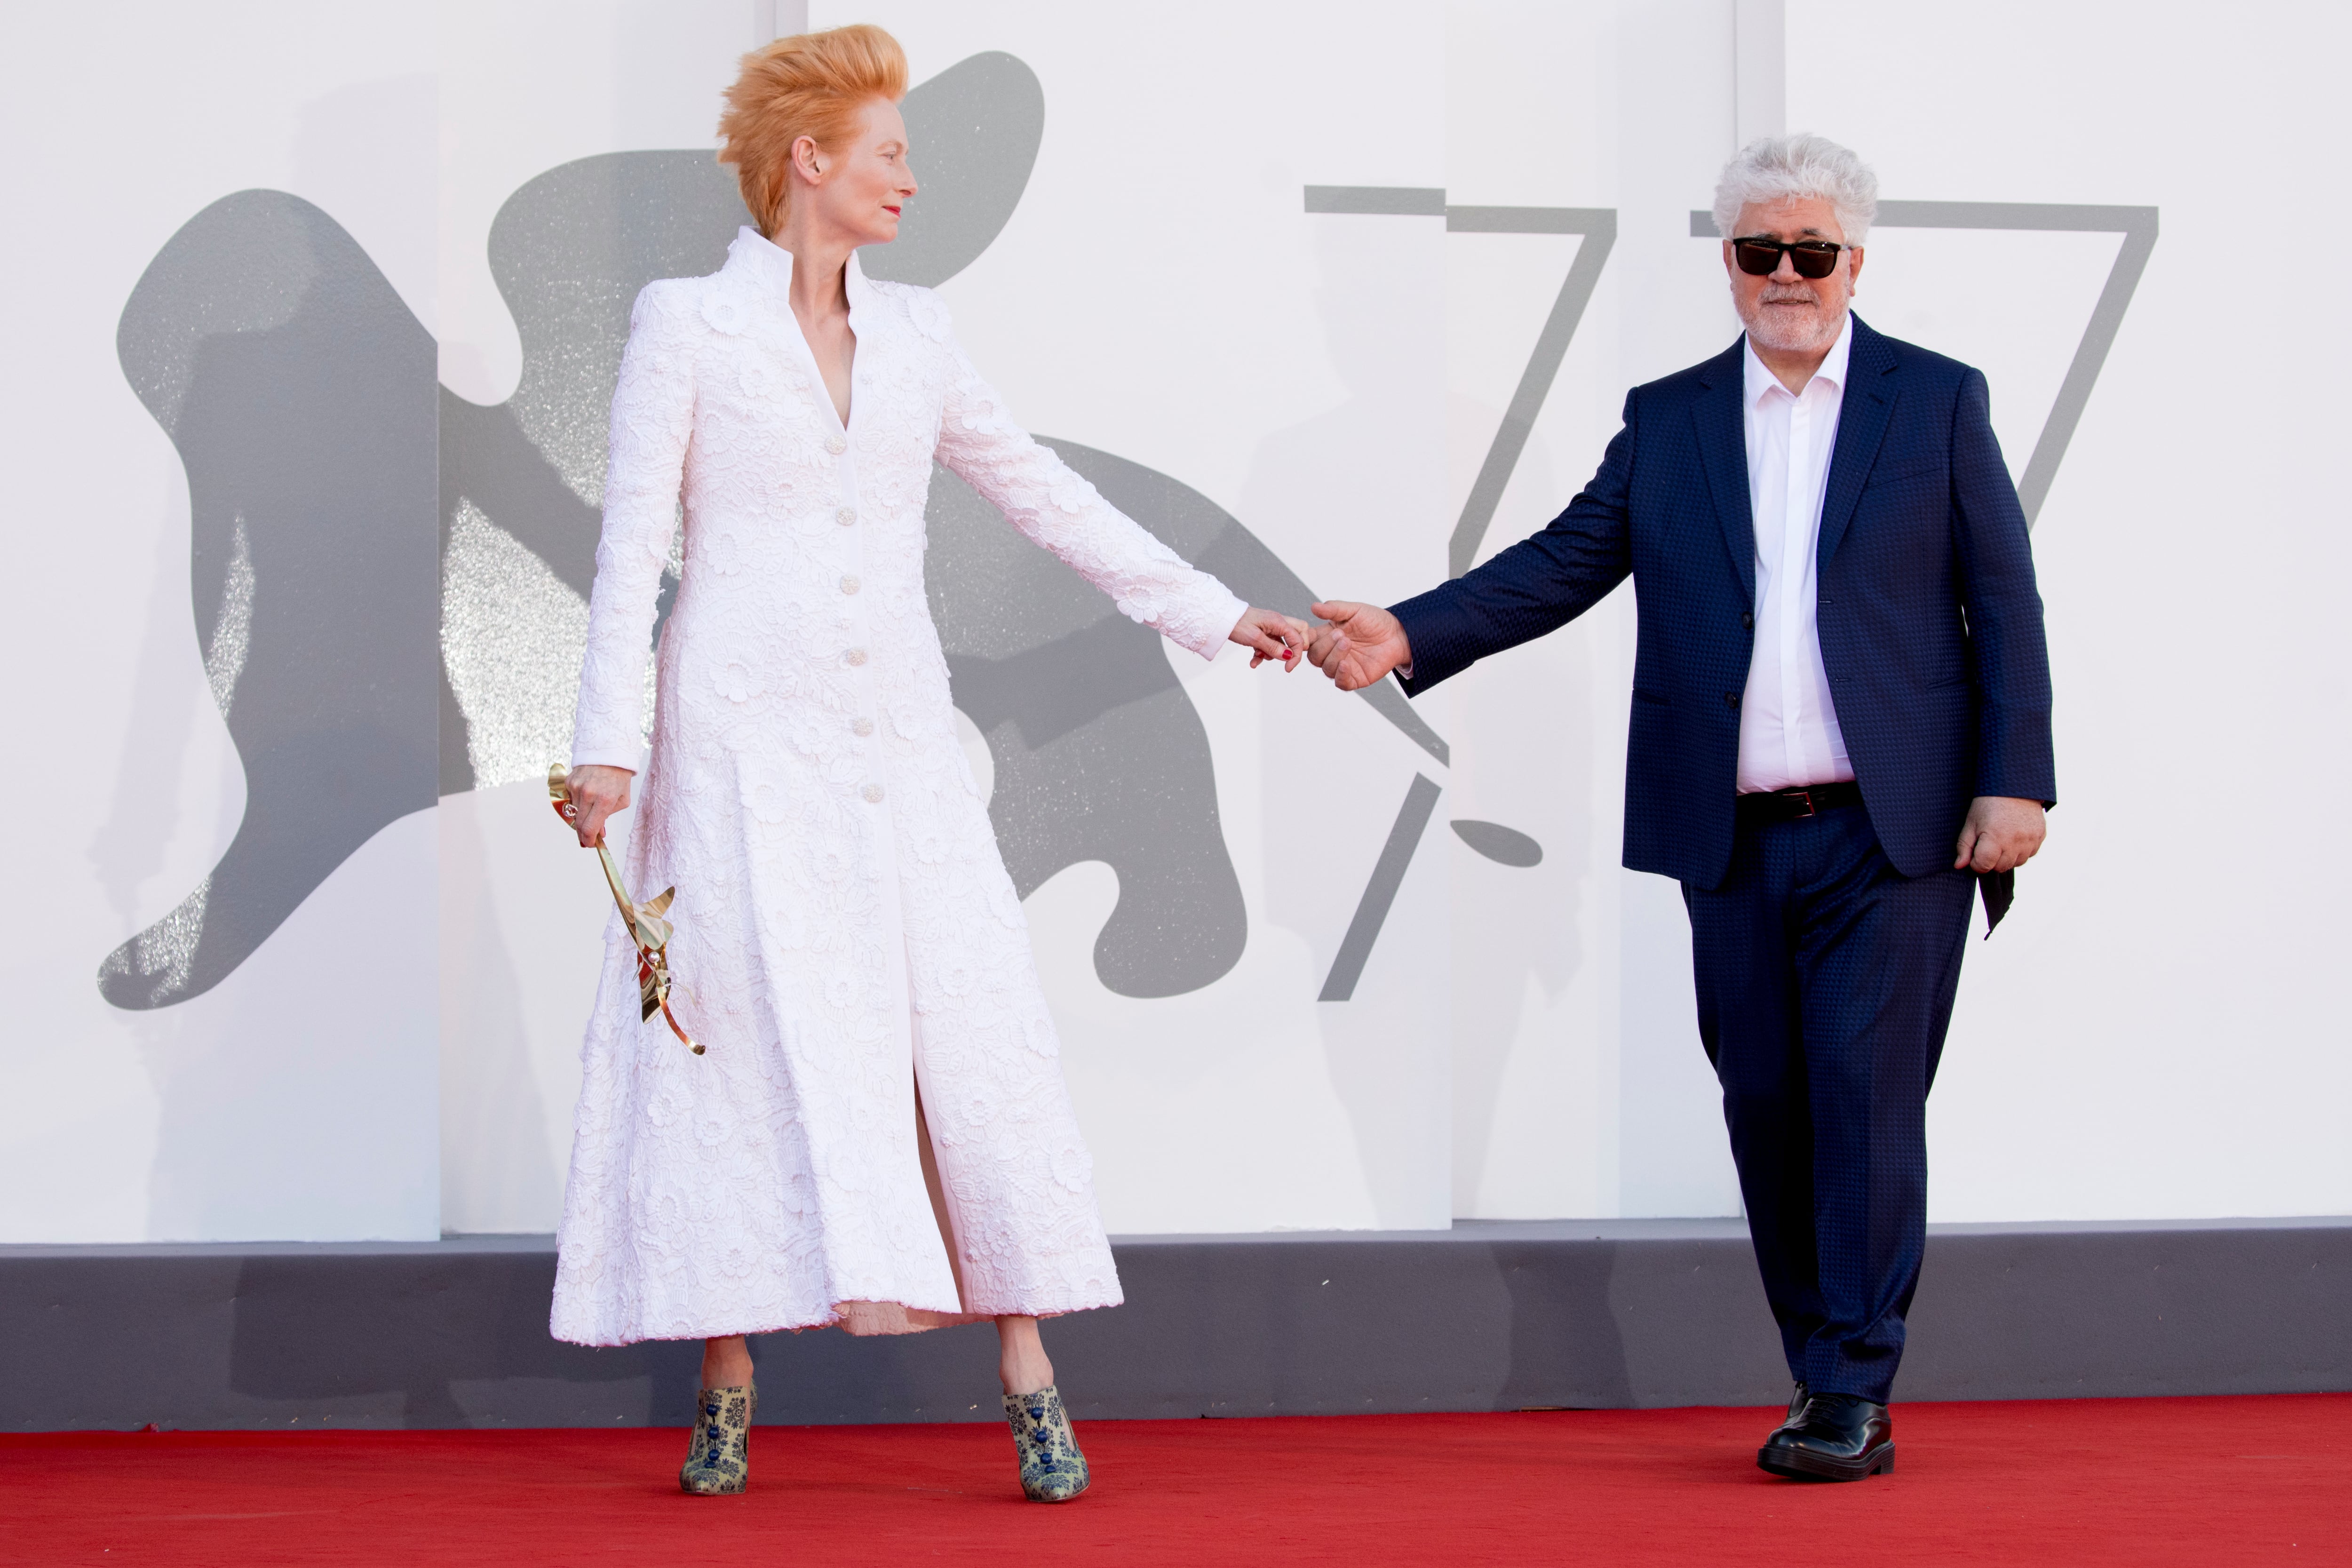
597 792
1270 635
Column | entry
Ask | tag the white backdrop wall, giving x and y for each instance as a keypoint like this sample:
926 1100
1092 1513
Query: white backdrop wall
2152 1035
2164 1035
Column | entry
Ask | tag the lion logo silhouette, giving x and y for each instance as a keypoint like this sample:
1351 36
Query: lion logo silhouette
363 539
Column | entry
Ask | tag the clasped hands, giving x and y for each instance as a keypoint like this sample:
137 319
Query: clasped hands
1360 644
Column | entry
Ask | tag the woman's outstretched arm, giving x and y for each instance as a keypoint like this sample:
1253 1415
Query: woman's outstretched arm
1055 506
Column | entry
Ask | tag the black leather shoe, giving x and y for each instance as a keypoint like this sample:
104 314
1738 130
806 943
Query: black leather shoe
1797 1401
1834 1437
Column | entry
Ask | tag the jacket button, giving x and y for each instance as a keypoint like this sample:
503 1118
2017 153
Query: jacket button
835 445
1731 699
854 657
846 516
850 585
1746 621
861 726
873 794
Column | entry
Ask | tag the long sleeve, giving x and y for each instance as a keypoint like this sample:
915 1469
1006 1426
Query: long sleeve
2006 642
1055 506
1538 586
653 418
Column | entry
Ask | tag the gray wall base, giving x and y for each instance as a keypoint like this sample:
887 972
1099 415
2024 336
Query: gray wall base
1488 1316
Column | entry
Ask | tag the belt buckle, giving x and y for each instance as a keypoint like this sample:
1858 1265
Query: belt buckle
1803 797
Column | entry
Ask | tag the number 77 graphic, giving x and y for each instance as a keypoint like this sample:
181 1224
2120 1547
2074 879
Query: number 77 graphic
2136 225
1599 226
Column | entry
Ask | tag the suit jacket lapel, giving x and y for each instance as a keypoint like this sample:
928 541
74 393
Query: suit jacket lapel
1723 453
1868 406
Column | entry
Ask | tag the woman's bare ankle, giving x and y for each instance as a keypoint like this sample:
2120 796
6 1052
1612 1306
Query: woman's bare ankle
725 1363
1021 1363
1027 1377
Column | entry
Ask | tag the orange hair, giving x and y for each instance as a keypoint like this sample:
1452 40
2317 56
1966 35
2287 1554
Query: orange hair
815 84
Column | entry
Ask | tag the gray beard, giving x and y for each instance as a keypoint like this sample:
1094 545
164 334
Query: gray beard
1787 331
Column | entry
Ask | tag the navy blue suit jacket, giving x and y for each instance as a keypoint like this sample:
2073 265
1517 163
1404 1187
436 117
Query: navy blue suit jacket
1930 623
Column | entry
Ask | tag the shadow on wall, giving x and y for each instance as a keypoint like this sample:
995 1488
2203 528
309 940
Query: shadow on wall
302 396
299 391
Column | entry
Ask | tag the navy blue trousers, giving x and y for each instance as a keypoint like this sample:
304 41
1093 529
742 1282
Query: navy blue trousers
1825 981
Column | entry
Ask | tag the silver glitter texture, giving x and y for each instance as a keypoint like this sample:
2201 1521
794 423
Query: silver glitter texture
164 955
513 636
232 636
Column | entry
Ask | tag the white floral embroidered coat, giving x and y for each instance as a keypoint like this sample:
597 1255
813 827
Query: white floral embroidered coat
845 925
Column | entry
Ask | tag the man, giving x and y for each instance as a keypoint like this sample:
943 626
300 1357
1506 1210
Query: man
1840 723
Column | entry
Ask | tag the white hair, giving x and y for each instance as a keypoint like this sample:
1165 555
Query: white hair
1775 169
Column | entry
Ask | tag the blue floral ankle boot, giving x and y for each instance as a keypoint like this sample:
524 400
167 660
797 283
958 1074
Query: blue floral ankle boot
1052 1469
718 1459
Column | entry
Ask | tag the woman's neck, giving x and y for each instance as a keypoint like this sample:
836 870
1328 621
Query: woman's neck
820 261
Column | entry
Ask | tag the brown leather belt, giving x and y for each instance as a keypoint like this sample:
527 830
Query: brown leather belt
1791 805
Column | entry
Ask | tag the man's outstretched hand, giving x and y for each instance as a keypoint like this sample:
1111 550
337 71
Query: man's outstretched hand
1359 644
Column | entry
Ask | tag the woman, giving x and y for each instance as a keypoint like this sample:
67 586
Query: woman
878 1135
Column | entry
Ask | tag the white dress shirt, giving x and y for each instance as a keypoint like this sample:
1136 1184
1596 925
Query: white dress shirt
1789 734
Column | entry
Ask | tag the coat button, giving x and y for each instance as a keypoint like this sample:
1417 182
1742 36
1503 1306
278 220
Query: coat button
1731 699
846 516
850 585
873 794
835 445
861 725
1747 622
854 657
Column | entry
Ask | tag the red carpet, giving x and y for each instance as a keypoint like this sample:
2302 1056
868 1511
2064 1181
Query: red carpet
2143 1482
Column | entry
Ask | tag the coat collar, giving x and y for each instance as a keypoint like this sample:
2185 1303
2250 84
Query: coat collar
755 260
1869 404
1723 453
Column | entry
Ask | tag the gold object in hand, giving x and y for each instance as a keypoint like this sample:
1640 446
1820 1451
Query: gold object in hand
646 927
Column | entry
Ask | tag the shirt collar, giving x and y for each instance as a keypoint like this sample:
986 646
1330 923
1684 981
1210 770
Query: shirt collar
1760 381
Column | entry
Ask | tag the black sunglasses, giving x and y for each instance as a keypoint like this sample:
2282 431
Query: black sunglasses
1759 257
